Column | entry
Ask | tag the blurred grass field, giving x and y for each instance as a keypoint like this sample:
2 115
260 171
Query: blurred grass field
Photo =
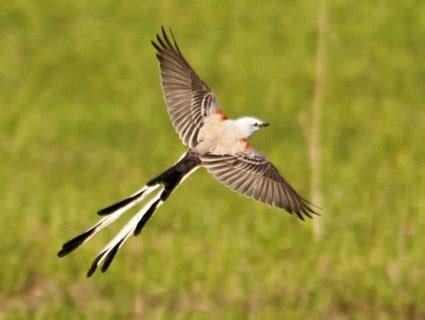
83 124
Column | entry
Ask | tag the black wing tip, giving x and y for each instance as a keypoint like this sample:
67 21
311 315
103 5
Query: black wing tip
165 35
156 46
174 45
163 41
306 211
299 215
302 208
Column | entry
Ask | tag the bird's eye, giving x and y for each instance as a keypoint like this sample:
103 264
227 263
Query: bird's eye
256 124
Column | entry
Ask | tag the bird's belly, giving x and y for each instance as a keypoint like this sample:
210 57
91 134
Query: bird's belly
228 146
221 137
222 143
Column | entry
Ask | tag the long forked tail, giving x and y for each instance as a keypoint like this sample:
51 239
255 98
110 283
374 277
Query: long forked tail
169 180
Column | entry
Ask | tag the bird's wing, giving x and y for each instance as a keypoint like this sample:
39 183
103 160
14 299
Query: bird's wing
252 175
188 98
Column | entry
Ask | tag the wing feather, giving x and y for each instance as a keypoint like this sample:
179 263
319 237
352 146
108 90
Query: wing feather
188 98
252 175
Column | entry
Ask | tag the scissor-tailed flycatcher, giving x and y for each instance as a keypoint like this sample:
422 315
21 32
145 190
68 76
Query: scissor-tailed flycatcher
215 142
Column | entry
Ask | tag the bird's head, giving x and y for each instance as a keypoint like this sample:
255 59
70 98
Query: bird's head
248 125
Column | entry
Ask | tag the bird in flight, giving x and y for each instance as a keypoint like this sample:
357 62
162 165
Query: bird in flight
214 141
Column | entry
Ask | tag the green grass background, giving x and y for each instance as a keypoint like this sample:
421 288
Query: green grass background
83 124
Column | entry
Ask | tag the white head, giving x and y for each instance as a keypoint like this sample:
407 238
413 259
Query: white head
248 125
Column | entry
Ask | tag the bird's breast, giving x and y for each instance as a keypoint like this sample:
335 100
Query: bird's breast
219 136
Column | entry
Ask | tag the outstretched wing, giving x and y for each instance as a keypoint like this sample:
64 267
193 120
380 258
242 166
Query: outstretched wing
188 98
252 175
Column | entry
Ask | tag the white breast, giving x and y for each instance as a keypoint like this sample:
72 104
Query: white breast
218 136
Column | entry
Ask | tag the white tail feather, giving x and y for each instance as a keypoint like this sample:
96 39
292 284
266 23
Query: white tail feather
107 220
128 229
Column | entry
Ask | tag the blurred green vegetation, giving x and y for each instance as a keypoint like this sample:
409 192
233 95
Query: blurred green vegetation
83 124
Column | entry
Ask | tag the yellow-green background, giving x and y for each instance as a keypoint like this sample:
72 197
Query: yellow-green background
83 124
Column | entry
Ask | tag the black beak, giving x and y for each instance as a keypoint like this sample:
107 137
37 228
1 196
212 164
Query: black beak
264 124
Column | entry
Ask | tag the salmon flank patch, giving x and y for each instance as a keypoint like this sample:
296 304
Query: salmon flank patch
221 114
246 144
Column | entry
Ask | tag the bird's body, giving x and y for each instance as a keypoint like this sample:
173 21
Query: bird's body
214 141
220 135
